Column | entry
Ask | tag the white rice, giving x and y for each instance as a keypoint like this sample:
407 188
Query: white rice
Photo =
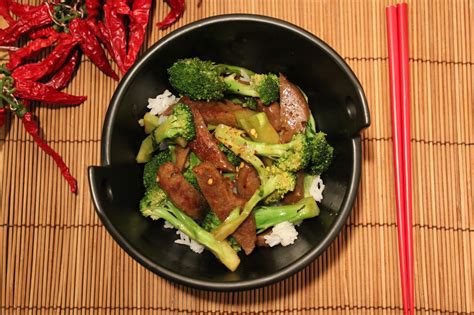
316 188
161 103
283 233
185 240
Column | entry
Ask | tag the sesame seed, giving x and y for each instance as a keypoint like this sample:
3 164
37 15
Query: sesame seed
210 181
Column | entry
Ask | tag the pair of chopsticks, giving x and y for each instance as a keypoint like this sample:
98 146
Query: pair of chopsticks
397 30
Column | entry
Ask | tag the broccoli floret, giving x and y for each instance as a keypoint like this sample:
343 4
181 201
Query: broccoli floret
233 159
211 221
292 156
205 80
321 151
268 216
156 205
198 79
179 126
151 167
250 102
322 154
188 172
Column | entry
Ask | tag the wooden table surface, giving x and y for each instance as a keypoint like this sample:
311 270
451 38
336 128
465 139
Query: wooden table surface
56 257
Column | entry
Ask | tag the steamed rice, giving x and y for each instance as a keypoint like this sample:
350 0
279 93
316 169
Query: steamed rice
316 188
160 103
185 240
283 233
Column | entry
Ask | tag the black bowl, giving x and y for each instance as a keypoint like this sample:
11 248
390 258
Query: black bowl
264 45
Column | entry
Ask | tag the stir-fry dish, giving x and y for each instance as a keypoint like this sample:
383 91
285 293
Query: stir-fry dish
234 162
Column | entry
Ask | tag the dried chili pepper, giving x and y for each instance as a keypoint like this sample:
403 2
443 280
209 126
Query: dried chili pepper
32 128
3 116
5 11
36 91
21 9
138 22
63 76
177 9
93 9
50 64
116 31
42 32
38 18
102 36
91 46
31 49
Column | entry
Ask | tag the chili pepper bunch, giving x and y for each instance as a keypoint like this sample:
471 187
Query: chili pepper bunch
68 28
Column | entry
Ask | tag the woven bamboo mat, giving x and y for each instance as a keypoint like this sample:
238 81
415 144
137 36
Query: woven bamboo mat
55 256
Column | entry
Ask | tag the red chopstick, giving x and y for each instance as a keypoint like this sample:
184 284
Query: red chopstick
397 28
405 98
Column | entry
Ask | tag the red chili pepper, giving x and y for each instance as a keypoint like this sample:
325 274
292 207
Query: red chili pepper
32 128
21 9
36 91
177 9
3 116
38 18
115 26
42 32
30 50
138 23
63 76
5 11
93 9
102 36
91 46
50 64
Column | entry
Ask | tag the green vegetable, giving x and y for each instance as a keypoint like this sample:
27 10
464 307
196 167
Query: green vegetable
179 126
156 205
150 122
321 151
292 156
211 221
188 172
263 130
205 80
268 216
233 159
151 167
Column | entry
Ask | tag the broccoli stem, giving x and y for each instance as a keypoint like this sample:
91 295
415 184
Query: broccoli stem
268 216
225 68
237 87
163 131
221 249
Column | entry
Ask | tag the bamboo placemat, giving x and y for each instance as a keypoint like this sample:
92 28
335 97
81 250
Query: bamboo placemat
55 256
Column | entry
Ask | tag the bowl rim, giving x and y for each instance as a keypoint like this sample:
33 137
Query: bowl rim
346 207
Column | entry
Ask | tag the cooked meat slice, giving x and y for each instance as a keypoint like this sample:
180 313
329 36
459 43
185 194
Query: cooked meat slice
222 200
297 194
247 181
181 157
181 193
216 112
205 146
273 113
294 109
261 238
